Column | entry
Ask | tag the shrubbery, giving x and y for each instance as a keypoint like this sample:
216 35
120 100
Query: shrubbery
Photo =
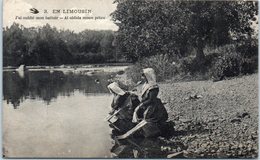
222 62
249 52
234 60
227 64
164 67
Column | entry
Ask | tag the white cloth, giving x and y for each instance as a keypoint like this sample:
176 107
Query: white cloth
114 87
135 117
151 80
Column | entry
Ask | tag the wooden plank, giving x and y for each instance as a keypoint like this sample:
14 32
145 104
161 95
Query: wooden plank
111 116
133 130
174 154
114 126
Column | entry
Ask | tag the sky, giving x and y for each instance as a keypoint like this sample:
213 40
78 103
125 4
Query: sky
102 8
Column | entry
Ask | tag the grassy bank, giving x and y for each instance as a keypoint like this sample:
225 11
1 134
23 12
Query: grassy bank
214 119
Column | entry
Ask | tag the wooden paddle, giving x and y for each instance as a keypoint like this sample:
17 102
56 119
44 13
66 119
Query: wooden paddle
114 114
133 130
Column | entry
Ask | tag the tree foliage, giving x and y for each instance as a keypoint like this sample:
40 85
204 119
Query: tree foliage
48 46
148 27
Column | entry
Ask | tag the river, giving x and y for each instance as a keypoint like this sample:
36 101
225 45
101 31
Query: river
56 114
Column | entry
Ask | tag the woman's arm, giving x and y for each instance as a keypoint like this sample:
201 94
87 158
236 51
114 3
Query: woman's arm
118 101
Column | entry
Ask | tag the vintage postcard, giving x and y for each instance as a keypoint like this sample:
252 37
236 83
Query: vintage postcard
130 79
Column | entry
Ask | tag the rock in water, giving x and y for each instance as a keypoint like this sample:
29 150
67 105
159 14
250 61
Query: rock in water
97 81
120 72
21 68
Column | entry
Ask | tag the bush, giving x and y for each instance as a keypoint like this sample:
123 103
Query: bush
249 51
250 65
233 60
225 61
227 64
248 48
187 65
163 65
134 72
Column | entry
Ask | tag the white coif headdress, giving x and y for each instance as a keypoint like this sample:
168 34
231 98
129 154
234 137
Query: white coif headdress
114 87
151 79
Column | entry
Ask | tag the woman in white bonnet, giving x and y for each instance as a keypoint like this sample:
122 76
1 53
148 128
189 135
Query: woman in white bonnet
151 108
119 96
125 101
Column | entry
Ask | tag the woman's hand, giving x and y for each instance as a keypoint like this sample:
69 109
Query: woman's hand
112 112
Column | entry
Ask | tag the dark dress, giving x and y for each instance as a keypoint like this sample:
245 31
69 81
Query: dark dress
118 101
127 104
152 109
154 112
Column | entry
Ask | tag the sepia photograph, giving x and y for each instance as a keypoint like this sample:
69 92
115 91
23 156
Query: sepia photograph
130 79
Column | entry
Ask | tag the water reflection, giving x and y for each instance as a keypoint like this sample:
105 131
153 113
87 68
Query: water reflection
141 147
69 127
47 86
137 148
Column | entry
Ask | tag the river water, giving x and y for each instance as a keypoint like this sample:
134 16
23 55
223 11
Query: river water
56 114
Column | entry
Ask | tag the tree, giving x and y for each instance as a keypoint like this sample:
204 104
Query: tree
173 27
14 45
